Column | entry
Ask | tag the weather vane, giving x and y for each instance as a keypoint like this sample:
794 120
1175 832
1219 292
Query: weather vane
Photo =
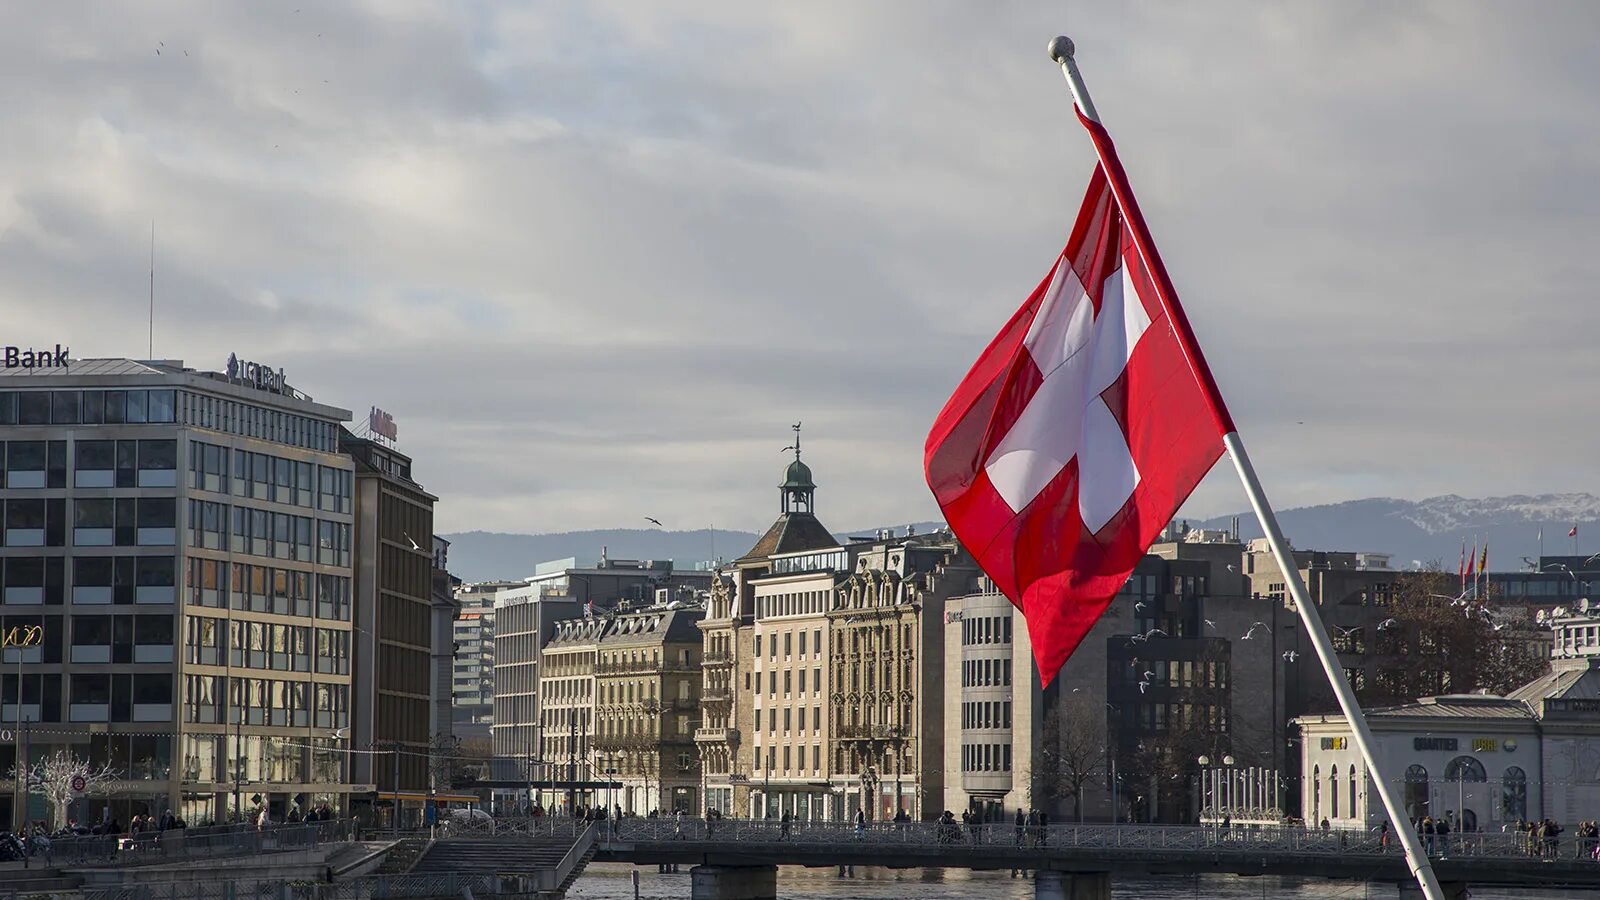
796 445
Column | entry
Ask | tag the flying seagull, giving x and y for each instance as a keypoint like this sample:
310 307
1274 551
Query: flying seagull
410 541
1290 655
1387 624
654 521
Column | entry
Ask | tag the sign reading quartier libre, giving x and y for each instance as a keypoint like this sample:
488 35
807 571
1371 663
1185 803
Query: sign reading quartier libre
36 357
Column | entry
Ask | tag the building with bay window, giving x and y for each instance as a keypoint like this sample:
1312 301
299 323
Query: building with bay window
184 539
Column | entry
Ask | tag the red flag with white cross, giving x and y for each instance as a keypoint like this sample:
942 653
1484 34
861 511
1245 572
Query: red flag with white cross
1082 428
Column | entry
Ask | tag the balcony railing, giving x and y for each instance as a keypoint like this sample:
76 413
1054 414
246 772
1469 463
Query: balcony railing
872 733
717 735
643 668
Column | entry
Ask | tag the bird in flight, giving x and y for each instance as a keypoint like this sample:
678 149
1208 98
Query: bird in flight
339 733
654 521
410 541
1387 624
1346 632
1210 624
1252 631
1563 568
1290 656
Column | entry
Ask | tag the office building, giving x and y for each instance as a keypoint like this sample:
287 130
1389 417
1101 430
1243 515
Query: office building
394 627
184 539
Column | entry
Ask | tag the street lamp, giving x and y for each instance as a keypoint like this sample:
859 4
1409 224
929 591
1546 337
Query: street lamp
19 638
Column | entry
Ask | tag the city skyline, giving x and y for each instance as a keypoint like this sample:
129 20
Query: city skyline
595 261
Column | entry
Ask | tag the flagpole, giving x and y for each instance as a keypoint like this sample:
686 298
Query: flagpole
1061 50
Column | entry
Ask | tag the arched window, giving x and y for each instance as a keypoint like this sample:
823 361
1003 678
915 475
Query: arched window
1333 792
1316 794
1465 768
1416 792
1514 795
1353 814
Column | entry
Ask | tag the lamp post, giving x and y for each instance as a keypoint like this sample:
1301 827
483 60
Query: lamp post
18 639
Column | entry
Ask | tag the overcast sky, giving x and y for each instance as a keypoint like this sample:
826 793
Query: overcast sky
597 257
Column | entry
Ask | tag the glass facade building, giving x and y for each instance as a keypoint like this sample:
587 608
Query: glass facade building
184 539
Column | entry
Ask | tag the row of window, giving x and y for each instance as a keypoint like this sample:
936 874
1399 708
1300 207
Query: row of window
96 522
986 672
36 580
262 476
986 714
797 762
261 532
265 645
795 717
264 701
1187 673
985 757
789 682
1159 717
985 630
249 420
789 644
94 696
216 584
96 464
135 407
795 604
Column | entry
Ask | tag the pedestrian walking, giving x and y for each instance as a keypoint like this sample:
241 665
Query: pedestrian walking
861 824
1022 825
1033 826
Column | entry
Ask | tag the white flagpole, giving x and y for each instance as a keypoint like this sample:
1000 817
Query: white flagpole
1061 50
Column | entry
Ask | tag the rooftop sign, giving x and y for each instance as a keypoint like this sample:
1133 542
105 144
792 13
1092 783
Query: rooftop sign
256 375
36 358
382 424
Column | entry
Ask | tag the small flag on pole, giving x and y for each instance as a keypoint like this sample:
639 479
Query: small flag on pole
1461 570
1573 532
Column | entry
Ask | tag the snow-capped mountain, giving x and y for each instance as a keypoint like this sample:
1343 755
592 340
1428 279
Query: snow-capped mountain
1434 529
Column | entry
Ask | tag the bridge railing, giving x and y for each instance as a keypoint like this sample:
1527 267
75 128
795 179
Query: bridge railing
1179 839
513 827
190 843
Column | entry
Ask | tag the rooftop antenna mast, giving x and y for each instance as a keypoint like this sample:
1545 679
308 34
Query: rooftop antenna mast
152 349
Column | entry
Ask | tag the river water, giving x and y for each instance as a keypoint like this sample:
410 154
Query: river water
613 881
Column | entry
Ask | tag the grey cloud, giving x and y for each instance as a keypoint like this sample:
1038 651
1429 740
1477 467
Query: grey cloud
596 257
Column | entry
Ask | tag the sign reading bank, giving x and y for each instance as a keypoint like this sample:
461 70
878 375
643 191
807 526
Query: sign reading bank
256 375
36 357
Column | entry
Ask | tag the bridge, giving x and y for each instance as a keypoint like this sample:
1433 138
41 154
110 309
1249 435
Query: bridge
738 859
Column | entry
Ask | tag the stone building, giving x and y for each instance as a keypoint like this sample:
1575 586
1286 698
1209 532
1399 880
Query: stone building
886 658
647 707
718 738
566 712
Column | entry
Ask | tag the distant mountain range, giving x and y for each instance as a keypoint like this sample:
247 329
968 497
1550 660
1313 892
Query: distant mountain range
1422 531
1415 532
492 556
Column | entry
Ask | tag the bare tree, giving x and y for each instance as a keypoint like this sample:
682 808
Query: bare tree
1072 751
52 777
1438 643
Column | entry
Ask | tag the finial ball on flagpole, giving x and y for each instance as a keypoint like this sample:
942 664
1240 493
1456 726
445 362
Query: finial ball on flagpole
1061 48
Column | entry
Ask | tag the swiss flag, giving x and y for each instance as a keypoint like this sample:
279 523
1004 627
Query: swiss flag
1081 429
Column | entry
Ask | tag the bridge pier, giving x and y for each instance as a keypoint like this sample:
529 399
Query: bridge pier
1050 885
733 883
1455 890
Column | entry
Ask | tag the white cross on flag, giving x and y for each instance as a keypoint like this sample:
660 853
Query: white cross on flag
1081 429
